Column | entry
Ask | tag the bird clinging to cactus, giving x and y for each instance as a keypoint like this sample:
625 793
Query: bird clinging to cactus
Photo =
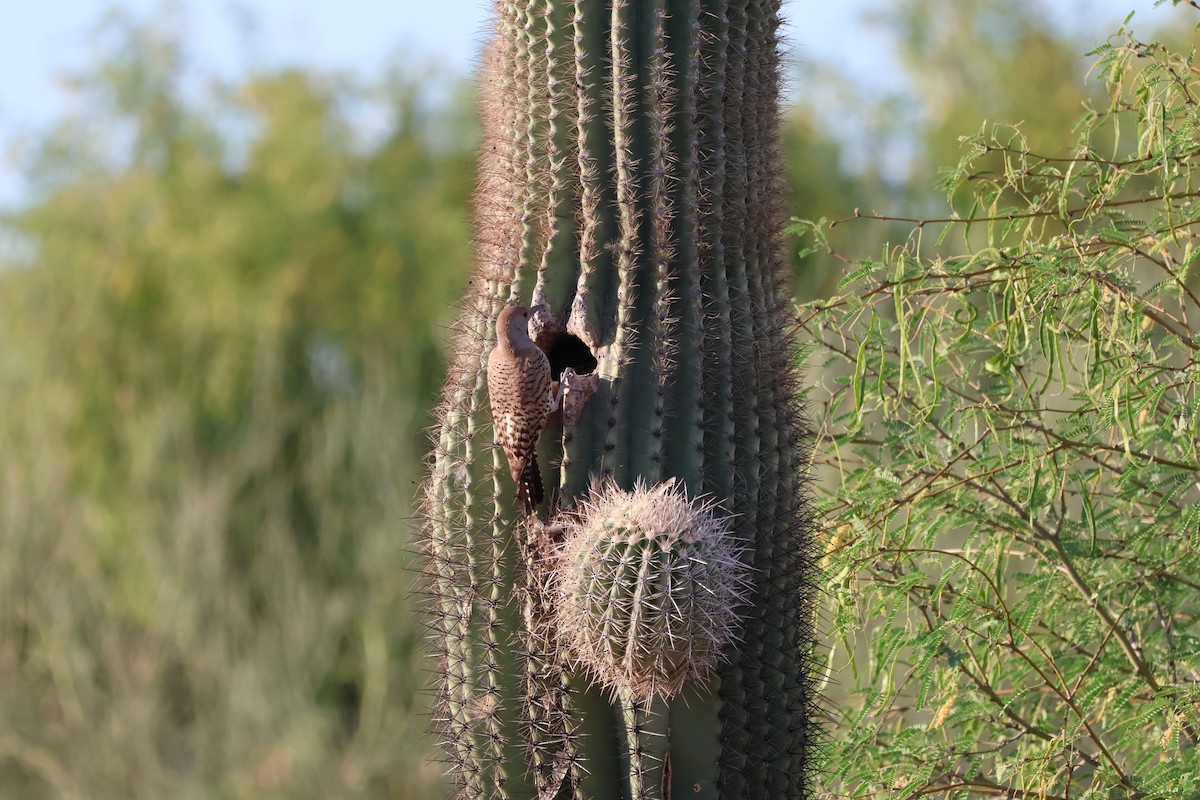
521 394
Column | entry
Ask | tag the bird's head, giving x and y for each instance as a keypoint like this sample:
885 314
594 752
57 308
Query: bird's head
512 326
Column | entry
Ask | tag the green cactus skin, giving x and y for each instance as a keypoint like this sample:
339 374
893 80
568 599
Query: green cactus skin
630 183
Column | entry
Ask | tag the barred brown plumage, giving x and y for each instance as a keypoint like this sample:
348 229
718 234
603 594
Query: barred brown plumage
519 387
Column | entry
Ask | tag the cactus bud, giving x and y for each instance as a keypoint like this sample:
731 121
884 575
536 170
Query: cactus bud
648 588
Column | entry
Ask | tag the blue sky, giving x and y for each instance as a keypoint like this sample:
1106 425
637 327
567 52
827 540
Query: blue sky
41 41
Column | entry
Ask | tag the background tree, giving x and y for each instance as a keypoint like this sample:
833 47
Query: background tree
216 355
1013 431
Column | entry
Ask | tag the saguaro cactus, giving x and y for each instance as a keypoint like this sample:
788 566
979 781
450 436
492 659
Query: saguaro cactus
630 196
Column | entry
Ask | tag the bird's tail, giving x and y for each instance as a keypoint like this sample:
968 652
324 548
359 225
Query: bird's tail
529 487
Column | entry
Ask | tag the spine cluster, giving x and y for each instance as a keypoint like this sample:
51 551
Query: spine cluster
648 589
631 186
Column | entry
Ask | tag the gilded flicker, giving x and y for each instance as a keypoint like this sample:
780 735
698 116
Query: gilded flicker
519 385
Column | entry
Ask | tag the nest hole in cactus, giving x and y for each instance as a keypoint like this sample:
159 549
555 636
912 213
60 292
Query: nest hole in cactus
567 350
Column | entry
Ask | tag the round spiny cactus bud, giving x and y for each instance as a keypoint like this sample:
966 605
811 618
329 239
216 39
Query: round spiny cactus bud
649 586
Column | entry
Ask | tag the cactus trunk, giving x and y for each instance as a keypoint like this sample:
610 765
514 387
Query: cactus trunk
630 195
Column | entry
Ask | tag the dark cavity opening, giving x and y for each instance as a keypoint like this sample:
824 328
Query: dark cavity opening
565 350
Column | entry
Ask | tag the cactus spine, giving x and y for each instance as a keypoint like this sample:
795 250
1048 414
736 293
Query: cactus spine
630 194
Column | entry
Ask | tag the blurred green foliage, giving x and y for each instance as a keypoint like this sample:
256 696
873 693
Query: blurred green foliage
215 362
220 333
